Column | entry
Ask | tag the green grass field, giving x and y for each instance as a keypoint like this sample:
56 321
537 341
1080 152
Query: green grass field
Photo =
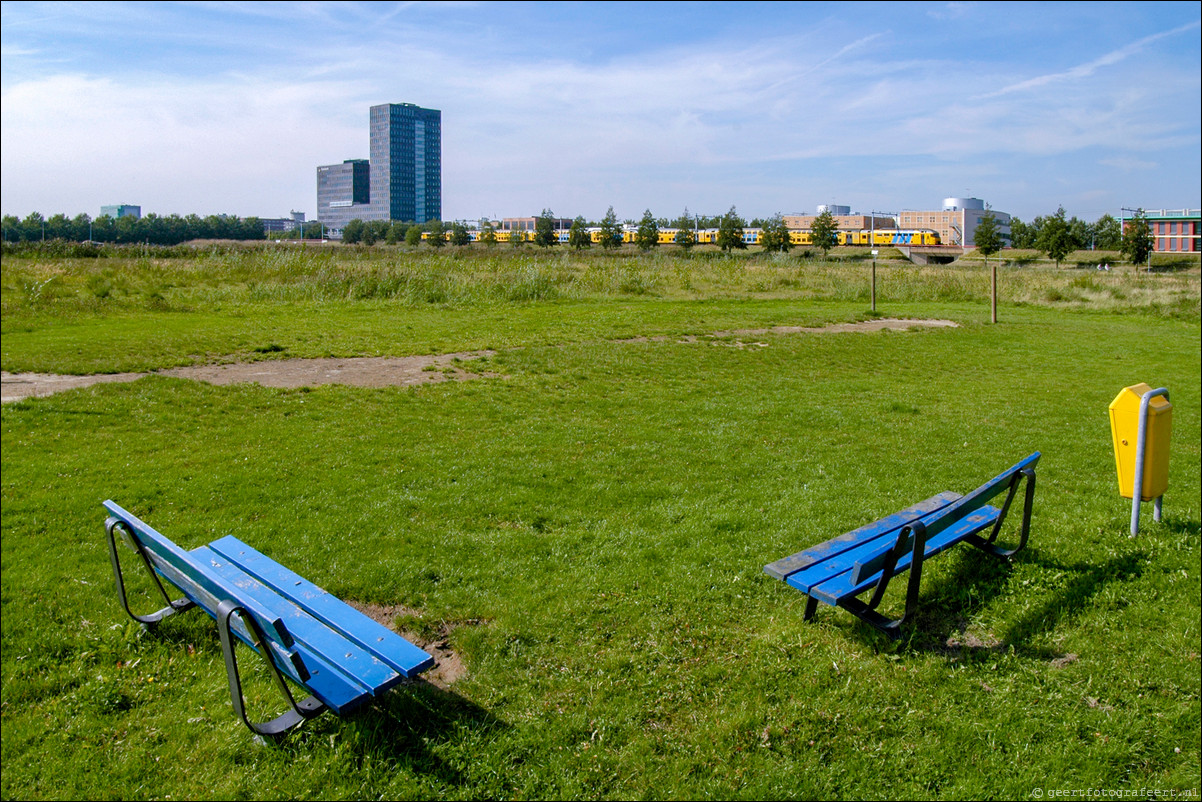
588 531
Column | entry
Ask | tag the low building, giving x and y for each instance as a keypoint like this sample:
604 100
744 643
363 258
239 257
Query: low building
121 210
294 222
846 222
1174 230
956 222
527 223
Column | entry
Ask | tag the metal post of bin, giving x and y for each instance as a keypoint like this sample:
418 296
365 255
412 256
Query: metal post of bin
1140 443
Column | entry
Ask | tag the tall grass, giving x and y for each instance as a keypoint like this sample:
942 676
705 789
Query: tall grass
480 276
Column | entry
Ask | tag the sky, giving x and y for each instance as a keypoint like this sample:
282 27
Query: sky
213 108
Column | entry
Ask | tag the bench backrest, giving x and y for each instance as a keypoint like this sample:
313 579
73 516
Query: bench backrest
208 588
949 515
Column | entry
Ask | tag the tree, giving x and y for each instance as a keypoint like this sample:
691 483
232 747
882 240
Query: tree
578 236
987 237
1080 233
730 231
1022 235
352 232
544 229
12 228
686 233
459 235
611 231
1054 238
1107 234
488 234
438 233
375 231
685 237
988 241
1137 240
413 236
824 232
647 236
396 233
776 235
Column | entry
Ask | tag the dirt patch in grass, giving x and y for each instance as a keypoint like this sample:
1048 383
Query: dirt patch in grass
393 371
733 337
448 665
357 371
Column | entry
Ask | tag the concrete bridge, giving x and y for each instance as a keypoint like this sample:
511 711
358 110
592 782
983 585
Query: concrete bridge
931 254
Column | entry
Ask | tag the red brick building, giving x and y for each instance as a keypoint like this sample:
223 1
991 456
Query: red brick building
1174 230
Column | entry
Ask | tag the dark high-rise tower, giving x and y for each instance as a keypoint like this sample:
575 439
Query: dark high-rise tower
401 181
406 162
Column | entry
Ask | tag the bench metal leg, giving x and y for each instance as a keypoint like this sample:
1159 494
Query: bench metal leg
811 608
912 538
173 606
990 544
306 709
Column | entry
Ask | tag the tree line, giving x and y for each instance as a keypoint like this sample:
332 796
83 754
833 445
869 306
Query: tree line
1057 235
152 229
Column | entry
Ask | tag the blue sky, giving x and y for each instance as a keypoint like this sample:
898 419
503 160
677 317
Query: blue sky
774 107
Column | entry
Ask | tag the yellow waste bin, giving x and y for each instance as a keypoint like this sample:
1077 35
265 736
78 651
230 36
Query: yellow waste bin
1124 429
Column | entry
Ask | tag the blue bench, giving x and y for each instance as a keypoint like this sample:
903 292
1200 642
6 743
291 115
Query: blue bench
339 656
838 571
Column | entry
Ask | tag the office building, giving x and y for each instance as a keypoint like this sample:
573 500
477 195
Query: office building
295 221
402 178
406 162
1173 230
121 210
845 220
343 193
956 222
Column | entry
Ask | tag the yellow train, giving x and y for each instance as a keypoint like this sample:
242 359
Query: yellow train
751 236
883 238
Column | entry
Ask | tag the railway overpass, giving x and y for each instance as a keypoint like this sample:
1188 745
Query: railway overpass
931 254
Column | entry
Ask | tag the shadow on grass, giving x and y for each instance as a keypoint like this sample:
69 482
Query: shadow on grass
1084 584
409 726
406 727
940 625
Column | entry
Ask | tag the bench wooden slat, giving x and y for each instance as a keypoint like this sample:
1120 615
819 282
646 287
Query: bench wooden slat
886 527
353 664
329 685
378 641
844 584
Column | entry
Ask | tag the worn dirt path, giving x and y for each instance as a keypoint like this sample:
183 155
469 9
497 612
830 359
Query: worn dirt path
389 371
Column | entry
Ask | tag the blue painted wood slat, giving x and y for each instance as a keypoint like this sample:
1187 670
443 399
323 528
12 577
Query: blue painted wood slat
872 563
887 526
843 584
382 643
356 666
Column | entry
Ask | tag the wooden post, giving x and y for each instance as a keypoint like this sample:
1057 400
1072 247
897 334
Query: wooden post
992 293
